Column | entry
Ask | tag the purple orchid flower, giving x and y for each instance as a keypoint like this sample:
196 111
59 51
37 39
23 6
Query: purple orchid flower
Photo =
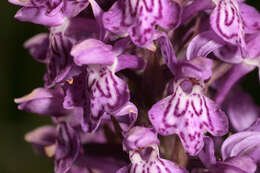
188 113
144 153
49 102
63 144
48 12
103 93
198 67
138 19
43 101
227 22
54 49
236 164
239 70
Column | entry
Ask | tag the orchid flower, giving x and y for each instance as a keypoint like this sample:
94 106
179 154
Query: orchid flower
144 153
138 19
189 114
236 164
48 12
105 94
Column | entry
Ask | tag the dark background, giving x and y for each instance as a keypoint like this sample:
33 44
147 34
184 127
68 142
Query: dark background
19 75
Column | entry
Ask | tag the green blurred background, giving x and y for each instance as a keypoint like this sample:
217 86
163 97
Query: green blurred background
19 75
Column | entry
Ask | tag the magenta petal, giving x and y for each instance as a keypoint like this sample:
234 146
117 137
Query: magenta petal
229 79
38 47
207 154
126 61
241 109
242 144
67 148
218 122
126 116
123 170
21 3
73 8
43 101
113 19
251 18
226 21
188 114
39 16
172 13
93 51
255 126
43 136
225 167
138 19
244 163
203 44
191 9
140 137
108 92
153 163
229 54
199 68
168 52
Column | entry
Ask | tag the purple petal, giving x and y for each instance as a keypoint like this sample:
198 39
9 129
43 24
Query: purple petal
77 99
21 3
229 54
229 79
126 61
60 61
43 136
198 68
241 109
39 16
93 51
139 137
109 93
253 45
232 54
168 52
126 116
194 7
121 45
172 13
207 154
153 163
42 101
189 115
226 168
80 28
255 126
251 18
226 21
242 144
113 19
123 170
139 18
244 163
73 8
203 44
38 47
67 148
98 13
